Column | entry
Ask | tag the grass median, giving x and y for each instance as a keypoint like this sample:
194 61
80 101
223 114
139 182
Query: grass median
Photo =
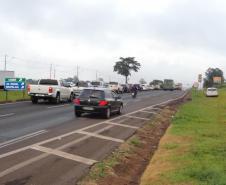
13 96
193 151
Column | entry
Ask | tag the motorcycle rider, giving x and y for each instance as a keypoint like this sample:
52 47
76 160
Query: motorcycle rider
134 91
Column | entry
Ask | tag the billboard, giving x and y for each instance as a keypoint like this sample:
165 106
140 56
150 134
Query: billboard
217 80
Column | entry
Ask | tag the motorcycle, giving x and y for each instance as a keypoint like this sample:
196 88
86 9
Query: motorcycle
134 94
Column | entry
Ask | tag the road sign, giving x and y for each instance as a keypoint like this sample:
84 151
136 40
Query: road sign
196 85
217 80
18 84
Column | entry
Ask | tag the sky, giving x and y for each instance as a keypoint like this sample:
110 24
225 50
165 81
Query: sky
176 39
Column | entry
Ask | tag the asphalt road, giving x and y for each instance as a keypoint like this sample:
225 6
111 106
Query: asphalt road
46 144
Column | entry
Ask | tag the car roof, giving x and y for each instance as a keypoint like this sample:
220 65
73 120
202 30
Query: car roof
211 88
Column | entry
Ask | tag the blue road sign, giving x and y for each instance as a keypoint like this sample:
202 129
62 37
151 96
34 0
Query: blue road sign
15 85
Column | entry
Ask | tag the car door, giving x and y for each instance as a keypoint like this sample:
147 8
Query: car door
116 102
63 90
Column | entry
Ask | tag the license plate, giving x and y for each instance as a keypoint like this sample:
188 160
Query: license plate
39 95
87 108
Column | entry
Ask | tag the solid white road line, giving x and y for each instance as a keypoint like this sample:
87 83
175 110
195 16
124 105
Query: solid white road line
42 156
91 126
64 155
101 136
148 112
135 117
154 108
30 161
57 106
85 128
2 104
83 138
122 125
21 165
6 115
22 138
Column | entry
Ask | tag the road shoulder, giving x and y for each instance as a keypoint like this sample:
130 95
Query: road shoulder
127 164
193 148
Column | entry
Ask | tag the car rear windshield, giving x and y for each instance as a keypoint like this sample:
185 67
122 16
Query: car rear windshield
90 93
113 83
48 82
212 90
95 83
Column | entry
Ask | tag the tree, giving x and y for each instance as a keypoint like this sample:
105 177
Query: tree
142 81
69 79
125 66
75 79
210 74
32 81
156 82
100 79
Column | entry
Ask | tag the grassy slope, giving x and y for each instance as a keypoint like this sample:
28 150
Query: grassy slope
193 151
12 96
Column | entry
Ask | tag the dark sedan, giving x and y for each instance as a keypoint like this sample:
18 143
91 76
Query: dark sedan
98 100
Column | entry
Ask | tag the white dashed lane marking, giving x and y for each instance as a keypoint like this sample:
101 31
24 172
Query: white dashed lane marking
64 155
136 117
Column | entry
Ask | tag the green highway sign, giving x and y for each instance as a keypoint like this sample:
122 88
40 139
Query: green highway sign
15 80
15 84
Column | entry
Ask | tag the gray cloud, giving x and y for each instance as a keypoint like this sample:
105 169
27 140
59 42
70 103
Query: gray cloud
185 31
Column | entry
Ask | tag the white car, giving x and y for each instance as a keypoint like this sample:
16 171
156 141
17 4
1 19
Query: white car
210 92
115 87
145 87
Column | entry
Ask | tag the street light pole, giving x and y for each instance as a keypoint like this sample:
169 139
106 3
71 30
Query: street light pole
5 62
50 71
77 71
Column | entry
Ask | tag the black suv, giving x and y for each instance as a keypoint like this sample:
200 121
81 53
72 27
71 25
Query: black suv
98 100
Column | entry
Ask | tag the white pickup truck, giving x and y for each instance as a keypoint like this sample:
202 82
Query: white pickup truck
115 87
50 89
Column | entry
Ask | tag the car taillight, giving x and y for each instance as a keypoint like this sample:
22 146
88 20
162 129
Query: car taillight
103 103
77 101
50 90
28 88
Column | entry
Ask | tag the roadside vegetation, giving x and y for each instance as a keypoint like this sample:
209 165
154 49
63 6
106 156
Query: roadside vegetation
13 96
127 164
194 148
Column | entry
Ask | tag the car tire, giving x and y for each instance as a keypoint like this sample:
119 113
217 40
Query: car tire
57 99
71 97
78 114
120 109
34 100
107 114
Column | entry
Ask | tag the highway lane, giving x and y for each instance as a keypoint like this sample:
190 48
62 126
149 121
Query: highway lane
23 118
47 158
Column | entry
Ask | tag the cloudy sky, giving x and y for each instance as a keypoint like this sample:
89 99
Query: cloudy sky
170 38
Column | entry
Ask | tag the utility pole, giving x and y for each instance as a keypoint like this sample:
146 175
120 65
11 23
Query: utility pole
5 62
77 71
50 72
54 73
96 75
